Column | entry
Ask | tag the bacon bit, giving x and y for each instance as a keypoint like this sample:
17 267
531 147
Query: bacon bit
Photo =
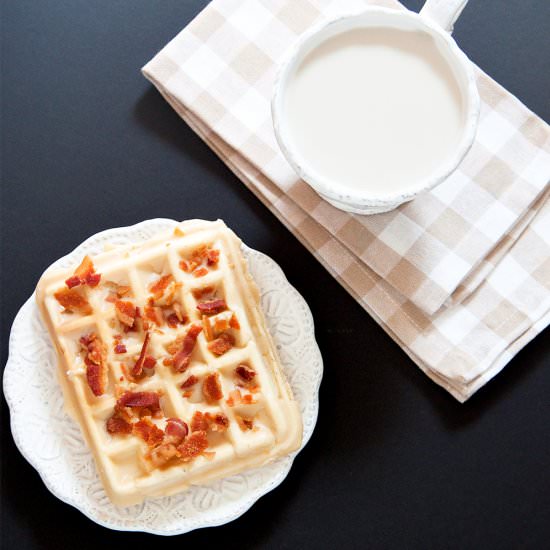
234 323
176 430
119 290
72 301
172 320
92 279
141 399
149 432
85 267
244 423
211 307
221 325
207 327
234 398
137 370
193 446
163 290
211 388
200 272
199 422
200 293
73 281
149 362
218 422
94 376
120 348
184 266
157 289
173 347
245 372
183 357
154 314
178 310
212 256
223 343
84 275
254 389
162 454
168 362
125 313
189 382
112 297
118 425
187 394
94 360
209 455
206 421
248 400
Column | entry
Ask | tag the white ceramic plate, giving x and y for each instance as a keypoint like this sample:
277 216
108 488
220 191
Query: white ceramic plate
51 441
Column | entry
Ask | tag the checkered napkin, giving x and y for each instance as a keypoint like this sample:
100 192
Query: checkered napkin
460 276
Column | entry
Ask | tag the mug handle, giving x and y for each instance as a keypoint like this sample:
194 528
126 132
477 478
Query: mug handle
443 12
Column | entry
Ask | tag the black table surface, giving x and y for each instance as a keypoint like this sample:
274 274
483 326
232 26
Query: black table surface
394 462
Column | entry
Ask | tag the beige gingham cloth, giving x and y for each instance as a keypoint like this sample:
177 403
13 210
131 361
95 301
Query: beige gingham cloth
459 277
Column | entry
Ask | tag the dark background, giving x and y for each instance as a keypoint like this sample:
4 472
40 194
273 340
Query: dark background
395 462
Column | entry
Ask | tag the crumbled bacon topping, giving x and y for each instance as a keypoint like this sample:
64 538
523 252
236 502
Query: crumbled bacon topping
206 291
120 348
149 362
72 301
176 430
203 422
162 454
244 423
189 382
145 401
118 425
211 387
94 359
149 432
218 422
212 307
193 446
73 281
116 291
183 357
195 263
153 314
207 327
199 422
234 323
245 372
84 275
212 256
222 344
157 289
164 290
137 369
125 312
235 398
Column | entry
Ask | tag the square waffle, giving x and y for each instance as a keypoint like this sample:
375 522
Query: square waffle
166 362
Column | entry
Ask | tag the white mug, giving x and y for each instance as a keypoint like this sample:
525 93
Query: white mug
435 20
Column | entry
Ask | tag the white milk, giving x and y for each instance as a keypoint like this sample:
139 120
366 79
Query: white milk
375 109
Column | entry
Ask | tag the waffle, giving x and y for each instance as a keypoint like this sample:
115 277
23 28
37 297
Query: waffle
166 362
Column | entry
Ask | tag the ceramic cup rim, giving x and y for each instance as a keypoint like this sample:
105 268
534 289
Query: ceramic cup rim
345 197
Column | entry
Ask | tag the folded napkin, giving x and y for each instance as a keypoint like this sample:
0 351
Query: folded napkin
458 277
